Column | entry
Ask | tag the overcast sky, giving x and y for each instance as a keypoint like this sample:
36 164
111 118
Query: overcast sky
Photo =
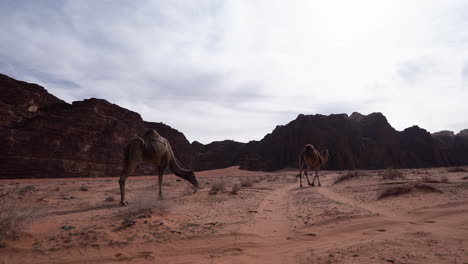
219 70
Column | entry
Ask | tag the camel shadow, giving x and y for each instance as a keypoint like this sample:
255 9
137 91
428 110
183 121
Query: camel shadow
306 186
82 210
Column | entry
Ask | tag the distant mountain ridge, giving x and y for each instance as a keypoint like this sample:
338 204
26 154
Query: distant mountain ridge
43 136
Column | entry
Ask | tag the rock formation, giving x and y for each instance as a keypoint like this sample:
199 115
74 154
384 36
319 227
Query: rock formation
43 136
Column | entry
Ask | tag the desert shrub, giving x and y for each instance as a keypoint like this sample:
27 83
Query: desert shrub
394 191
444 179
349 176
456 169
400 190
465 178
429 179
259 179
235 188
84 188
26 189
246 182
189 189
217 187
110 199
392 174
13 217
145 205
426 188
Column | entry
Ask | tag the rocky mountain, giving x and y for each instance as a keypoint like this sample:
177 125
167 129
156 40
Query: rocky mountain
43 136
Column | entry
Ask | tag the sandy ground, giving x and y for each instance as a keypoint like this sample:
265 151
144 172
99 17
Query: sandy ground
271 221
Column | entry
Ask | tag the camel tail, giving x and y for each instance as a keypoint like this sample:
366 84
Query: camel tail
175 167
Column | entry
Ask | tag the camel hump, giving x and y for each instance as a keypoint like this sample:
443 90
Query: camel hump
151 133
309 147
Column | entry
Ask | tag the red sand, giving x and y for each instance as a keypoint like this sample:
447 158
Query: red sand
274 221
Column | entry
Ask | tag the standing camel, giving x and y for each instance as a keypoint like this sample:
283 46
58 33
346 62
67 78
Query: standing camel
312 158
155 149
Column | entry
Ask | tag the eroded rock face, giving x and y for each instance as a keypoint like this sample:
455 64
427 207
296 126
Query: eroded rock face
45 137
355 142
216 155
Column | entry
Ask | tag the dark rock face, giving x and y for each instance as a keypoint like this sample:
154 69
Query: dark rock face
453 148
355 142
216 155
43 136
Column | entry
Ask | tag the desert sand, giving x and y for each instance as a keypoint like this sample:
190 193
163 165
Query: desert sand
269 219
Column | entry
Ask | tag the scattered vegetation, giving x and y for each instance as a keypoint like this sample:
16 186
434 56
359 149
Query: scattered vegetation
426 188
395 191
444 179
246 182
217 187
189 189
109 199
429 179
405 189
26 189
392 174
235 188
456 169
349 176
13 217
142 206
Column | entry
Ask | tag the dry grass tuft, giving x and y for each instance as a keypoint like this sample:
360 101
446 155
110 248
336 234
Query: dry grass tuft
13 217
146 205
392 174
217 187
394 191
456 169
246 182
235 188
426 188
429 179
444 179
109 199
26 189
349 176
405 189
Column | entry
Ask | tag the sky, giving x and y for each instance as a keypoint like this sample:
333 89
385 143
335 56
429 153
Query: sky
218 70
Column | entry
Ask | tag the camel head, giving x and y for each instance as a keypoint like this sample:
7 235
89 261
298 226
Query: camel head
190 177
325 156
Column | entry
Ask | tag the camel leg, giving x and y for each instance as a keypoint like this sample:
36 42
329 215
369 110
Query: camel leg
300 175
127 171
160 180
307 176
317 176
313 182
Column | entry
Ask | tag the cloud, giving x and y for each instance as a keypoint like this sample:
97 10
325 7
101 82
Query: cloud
236 69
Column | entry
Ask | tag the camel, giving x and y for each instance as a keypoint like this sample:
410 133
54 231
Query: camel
155 149
312 158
